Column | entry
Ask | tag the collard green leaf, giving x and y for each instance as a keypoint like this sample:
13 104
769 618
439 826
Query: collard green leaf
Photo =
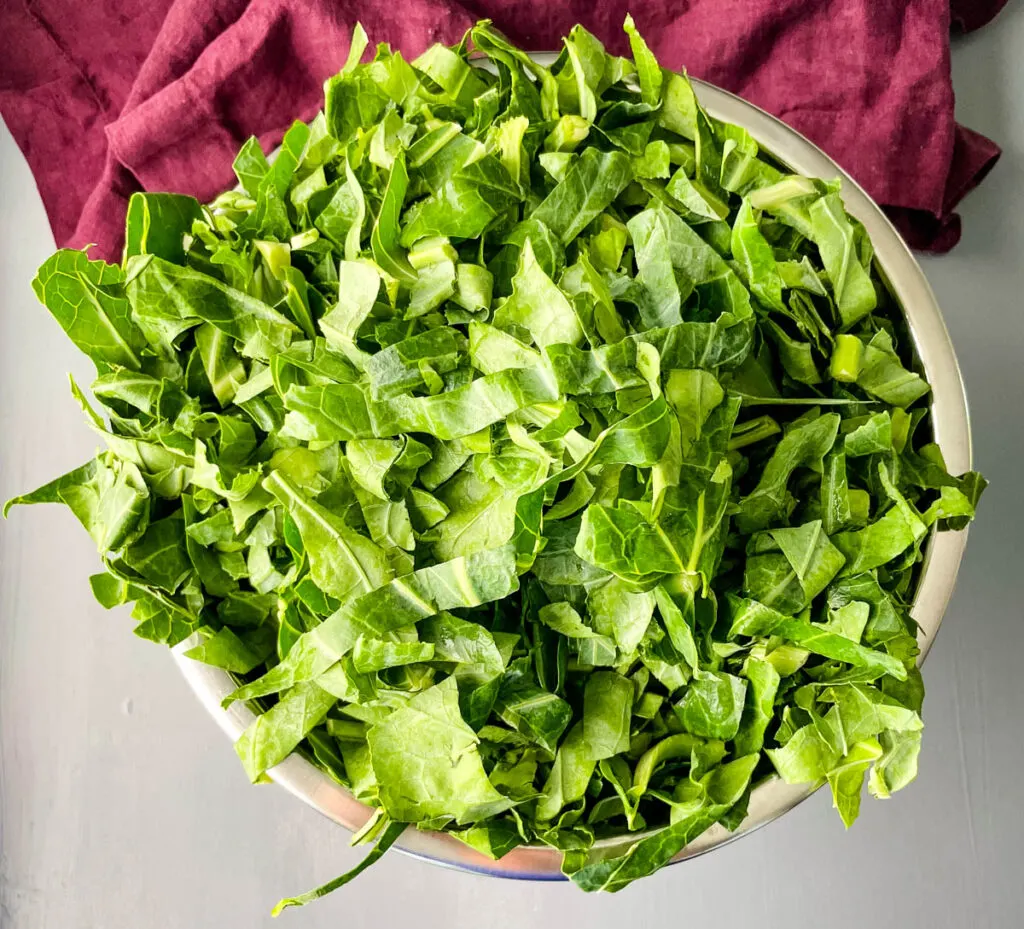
372 654
270 738
869 438
762 686
899 528
607 710
427 763
835 493
662 297
387 838
539 715
570 774
806 757
462 582
882 374
787 568
88 301
226 649
538 306
108 497
385 234
344 411
620 612
755 619
167 300
753 253
897 766
343 563
157 224
465 205
621 540
385 468
833 233
466 643
565 620
847 779
159 555
399 367
250 166
726 786
712 705
481 515
589 187
803 446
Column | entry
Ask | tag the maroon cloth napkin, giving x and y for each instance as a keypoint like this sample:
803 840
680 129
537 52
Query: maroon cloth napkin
114 96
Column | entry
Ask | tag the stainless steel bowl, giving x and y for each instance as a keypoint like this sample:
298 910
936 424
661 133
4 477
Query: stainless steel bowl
942 557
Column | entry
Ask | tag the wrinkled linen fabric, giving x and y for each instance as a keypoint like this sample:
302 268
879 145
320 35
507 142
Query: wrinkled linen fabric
116 96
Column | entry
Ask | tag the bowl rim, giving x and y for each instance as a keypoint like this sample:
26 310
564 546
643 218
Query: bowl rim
944 551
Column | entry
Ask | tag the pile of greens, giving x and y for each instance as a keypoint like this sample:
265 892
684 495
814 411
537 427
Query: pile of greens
543 459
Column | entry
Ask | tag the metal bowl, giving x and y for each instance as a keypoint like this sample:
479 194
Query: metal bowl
951 429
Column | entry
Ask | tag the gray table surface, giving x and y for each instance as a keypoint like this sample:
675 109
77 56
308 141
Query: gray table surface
122 806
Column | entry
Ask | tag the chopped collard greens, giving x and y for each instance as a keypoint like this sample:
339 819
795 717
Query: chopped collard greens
544 461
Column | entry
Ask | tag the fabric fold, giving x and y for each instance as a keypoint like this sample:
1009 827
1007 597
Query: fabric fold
160 94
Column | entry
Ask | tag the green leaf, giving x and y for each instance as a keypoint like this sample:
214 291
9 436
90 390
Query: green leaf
755 619
806 757
869 438
467 643
894 532
847 778
756 260
833 233
620 612
528 708
385 234
762 686
372 654
343 563
87 298
387 838
621 540
399 367
712 705
592 183
607 710
108 497
270 738
570 774
835 494
726 786
481 515
538 306
648 69
882 374
447 780
159 555
465 204
788 581
898 765
343 411
250 166
461 582
386 468
804 446
168 300
156 224
565 620
225 649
